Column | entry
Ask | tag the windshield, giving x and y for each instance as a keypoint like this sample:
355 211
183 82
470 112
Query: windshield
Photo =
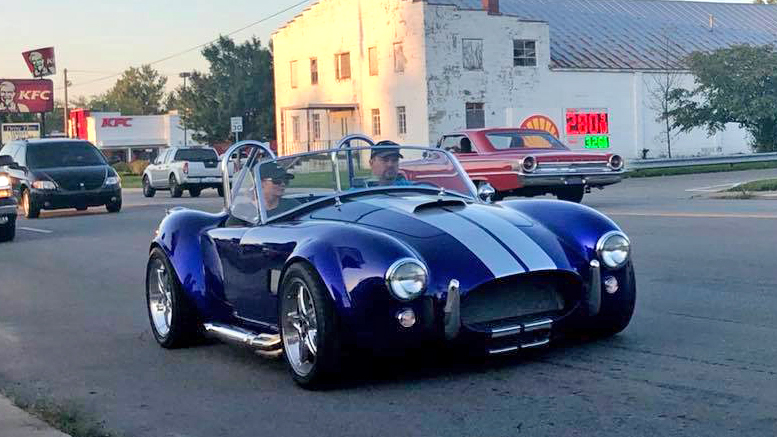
64 154
288 182
524 140
196 155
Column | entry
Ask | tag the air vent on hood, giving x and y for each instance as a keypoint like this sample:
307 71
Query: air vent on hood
440 204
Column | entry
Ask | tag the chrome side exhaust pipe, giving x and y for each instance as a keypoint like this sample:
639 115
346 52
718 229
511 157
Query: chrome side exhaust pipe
268 345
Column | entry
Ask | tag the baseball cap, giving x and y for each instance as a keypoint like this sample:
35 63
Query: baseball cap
385 148
271 170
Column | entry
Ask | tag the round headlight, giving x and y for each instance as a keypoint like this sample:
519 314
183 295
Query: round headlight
616 162
529 164
406 278
613 249
4 181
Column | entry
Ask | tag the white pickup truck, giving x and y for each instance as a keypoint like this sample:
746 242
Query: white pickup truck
183 168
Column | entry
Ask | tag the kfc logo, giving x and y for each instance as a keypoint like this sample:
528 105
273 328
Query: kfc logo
117 122
41 62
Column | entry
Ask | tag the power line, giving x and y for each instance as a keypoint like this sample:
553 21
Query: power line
166 58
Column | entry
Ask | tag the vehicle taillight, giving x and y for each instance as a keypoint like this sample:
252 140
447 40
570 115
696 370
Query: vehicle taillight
186 168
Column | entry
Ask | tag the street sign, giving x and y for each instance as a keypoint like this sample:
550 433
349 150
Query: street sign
237 124
19 131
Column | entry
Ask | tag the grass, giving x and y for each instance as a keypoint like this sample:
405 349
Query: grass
692 169
762 185
130 180
69 417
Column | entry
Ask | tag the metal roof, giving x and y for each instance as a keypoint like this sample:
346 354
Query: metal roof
638 34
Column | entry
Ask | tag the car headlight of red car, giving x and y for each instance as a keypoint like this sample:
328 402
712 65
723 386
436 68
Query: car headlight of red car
615 162
406 278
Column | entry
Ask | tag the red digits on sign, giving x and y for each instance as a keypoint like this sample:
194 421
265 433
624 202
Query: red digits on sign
603 123
571 126
582 124
593 123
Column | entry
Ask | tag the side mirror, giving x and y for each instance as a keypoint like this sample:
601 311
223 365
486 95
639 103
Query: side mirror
485 192
6 160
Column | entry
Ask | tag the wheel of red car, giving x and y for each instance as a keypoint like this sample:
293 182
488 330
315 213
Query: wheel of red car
309 328
616 308
173 317
571 194
175 189
148 190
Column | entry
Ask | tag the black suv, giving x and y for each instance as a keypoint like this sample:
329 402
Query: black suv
61 173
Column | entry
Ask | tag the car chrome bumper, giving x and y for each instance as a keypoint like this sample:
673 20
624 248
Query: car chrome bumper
561 179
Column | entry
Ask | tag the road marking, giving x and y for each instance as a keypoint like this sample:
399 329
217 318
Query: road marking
693 215
42 231
715 188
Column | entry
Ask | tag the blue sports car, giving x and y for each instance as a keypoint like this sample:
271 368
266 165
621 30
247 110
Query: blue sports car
377 247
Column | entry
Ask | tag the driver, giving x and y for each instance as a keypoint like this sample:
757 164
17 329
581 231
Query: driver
384 163
274 181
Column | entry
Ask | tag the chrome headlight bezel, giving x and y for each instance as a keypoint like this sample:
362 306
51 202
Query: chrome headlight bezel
615 162
394 280
44 185
113 180
603 252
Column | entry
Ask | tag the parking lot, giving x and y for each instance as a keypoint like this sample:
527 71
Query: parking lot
697 359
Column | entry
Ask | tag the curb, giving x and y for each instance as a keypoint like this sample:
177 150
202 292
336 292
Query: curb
15 422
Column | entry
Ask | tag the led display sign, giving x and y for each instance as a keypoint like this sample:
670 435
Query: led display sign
587 128
597 142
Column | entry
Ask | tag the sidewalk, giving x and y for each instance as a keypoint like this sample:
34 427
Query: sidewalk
17 423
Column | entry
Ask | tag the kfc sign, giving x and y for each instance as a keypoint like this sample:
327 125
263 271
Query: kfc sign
40 62
117 122
26 95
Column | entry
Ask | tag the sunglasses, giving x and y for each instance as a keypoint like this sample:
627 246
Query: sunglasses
278 181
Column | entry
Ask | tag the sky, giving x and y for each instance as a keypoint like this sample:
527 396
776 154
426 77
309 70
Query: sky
98 38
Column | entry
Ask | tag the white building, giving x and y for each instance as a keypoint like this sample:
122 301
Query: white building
412 70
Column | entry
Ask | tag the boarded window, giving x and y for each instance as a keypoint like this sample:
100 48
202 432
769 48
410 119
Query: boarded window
293 72
343 66
476 117
316 118
295 128
399 57
472 52
401 120
376 122
313 71
373 52
524 53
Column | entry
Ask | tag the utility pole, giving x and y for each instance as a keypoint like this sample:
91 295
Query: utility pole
184 75
66 123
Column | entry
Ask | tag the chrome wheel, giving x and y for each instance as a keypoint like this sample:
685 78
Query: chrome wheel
299 326
160 297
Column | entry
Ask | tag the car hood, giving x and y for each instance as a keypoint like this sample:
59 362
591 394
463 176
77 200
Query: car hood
472 242
71 178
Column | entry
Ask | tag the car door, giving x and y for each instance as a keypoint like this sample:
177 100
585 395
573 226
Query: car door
158 174
19 175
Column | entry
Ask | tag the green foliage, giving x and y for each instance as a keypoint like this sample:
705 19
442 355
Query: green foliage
238 83
765 2
733 85
121 167
139 91
138 166
762 185
694 169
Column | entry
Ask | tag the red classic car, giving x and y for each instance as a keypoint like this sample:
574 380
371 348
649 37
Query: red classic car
525 162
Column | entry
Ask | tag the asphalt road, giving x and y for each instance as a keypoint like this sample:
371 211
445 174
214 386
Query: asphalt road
698 358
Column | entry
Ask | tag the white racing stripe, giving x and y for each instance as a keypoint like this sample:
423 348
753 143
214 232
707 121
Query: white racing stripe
41 231
495 257
513 237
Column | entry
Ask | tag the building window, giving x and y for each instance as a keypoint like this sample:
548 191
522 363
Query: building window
316 118
476 117
376 122
373 52
295 128
313 71
401 120
343 66
293 72
399 57
524 53
472 54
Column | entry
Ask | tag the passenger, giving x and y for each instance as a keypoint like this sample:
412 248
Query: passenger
274 181
384 162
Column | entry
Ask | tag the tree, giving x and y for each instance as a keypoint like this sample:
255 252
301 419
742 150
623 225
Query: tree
239 83
660 88
139 91
733 85
765 2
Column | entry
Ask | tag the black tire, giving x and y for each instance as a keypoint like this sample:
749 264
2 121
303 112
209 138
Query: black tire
8 230
81 208
148 190
195 192
114 207
571 194
220 190
617 309
175 189
30 207
184 328
328 356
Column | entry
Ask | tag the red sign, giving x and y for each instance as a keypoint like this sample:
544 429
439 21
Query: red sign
589 122
117 122
540 122
41 62
26 95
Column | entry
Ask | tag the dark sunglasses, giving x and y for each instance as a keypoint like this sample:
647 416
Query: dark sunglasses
278 181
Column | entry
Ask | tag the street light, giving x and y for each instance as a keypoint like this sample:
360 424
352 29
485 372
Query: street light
184 75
